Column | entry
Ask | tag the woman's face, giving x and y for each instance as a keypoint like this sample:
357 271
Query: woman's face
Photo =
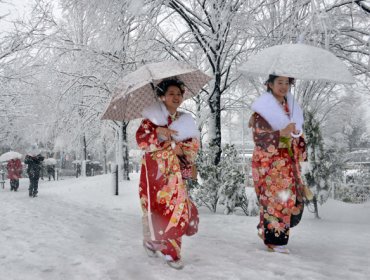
172 98
280 86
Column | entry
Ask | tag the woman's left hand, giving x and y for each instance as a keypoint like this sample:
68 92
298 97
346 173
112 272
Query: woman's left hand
178 151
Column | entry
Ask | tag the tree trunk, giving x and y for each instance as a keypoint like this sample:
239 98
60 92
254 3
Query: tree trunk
84 147
125 154
214 103
119 152
198 120
316 207
104 148
84 156
214 205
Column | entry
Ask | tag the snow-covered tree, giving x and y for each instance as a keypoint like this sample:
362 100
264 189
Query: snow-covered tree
206 192
17 53
318 174
214 27
232 190
347 127
223 183
95 44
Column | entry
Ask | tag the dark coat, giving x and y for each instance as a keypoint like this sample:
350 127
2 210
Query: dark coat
50 169
34 165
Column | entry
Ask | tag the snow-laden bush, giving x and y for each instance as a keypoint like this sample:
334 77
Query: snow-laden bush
353 193
356 188
223 183
205 191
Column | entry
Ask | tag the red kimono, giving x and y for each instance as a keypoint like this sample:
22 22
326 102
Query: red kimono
168 213
275 170
14 167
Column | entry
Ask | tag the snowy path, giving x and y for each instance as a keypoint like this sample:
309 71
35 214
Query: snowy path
76 229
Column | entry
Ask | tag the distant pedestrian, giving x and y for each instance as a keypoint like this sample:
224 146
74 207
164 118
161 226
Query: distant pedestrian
51 171
14 167
33 170
78 170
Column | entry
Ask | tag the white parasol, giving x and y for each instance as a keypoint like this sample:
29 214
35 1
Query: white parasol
10 155
50 161
136 90
298 61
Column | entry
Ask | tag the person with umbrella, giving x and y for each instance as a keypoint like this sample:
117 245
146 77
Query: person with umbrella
34 164
51 171
277 125
275 162
50 167
14 167
170 139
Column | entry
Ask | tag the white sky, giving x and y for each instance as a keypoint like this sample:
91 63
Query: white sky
15 9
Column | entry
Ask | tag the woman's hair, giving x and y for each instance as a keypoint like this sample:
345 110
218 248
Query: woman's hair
272 78
163 86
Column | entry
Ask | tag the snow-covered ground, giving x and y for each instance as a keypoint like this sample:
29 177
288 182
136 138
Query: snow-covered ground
77 229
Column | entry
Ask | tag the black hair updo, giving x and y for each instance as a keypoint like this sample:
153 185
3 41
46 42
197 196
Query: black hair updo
163 86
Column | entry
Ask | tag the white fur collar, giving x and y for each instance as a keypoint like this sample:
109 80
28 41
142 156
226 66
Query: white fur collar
269 108
157 113
185 125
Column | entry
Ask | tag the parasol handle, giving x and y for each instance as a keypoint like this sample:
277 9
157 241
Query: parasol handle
299 134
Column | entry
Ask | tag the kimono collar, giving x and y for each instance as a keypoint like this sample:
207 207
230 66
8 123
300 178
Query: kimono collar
185 125
269 108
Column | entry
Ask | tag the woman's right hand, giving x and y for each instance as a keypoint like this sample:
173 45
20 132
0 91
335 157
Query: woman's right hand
286 132
166 132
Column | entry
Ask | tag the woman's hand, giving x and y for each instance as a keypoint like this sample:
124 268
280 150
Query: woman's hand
175 147
286 132
166 132
178 151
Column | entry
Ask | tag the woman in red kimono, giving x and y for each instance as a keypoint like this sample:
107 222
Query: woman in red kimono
170 141
14 167
275 162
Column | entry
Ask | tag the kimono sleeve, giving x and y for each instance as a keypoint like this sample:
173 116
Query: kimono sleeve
300 149
190 149
147 138
263 135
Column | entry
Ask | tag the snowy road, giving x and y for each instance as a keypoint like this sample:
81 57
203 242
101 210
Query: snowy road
76 229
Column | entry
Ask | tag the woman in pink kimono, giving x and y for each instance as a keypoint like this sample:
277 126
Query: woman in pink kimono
170 141
275 162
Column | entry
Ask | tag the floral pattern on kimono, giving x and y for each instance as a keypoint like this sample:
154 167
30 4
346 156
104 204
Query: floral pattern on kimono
168 213
278 192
